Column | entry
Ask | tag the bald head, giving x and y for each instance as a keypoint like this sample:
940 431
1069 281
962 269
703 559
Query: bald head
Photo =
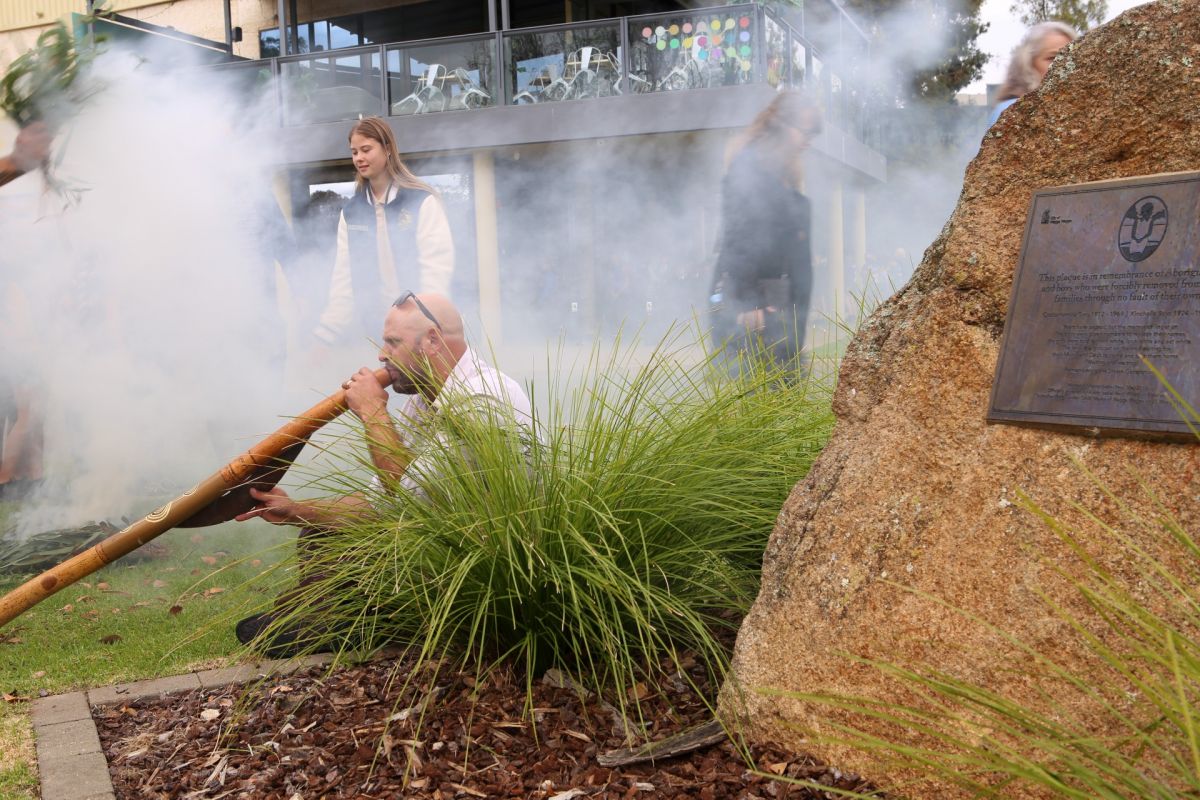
423 339
421 314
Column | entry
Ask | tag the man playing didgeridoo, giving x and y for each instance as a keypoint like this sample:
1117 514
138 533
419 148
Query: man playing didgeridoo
426 355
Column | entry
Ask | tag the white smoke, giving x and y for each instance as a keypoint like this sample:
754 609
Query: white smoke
152 325
154 337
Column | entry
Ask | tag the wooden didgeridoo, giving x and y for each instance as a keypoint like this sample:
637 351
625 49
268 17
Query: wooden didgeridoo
217 498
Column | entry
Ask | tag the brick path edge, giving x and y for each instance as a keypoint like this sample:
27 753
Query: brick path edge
71 765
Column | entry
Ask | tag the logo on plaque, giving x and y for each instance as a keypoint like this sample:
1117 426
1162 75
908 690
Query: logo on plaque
1142 229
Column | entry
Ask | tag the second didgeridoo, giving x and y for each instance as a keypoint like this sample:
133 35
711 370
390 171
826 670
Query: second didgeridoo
215 499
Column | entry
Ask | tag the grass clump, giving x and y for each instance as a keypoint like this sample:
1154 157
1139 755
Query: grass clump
1139 678
626 528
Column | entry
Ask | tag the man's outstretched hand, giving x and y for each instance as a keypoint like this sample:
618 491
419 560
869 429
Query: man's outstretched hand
274 506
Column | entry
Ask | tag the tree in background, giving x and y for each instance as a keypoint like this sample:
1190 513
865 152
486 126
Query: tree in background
1079 14
925 50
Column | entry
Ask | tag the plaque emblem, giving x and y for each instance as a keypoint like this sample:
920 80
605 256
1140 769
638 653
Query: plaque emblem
1142 229
404 219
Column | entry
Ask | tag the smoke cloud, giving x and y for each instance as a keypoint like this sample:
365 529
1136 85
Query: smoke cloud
149 332
147 318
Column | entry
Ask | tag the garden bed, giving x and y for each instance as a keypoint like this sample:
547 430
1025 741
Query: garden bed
313 734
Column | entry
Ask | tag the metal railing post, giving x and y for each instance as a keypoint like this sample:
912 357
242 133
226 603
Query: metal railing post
626 57
506 93
383 82
277 89
760 44
787 54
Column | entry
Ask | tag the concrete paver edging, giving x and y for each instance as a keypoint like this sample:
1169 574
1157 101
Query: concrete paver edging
71 765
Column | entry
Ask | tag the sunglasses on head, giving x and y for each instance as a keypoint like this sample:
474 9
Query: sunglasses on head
404 298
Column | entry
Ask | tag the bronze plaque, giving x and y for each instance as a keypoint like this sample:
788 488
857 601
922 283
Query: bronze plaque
1108 273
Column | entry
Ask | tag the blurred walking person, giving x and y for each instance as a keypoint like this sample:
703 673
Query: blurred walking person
1030 61
763 277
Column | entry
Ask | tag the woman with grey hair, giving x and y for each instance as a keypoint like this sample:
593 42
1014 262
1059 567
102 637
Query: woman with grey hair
1030 61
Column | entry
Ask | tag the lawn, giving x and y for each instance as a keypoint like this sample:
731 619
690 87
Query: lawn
161 616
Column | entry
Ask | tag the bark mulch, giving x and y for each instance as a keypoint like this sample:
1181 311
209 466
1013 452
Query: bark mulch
353 733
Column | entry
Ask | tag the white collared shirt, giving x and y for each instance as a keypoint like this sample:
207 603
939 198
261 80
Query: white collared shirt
472 384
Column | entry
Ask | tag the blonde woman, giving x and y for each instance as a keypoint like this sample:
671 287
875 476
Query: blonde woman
392 235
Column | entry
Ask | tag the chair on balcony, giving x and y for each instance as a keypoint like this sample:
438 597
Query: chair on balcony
691 74
583 82
469 95
610 73
429 96
537 86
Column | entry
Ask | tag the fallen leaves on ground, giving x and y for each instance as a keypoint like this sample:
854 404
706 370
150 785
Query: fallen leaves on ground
354 734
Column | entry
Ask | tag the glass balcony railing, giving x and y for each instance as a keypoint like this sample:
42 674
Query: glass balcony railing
443 75
336 85
697 49
563 62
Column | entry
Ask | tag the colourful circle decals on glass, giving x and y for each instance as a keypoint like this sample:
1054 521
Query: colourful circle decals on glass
702 27
687 42
702 41
717 54
674 30
647 33
729 24
744 36
716 24
674 44
687 27
660 30
716 39
662 44
746 66
702 55
745 51
744 22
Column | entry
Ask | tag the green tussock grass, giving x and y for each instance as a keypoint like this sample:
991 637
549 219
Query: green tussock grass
624 529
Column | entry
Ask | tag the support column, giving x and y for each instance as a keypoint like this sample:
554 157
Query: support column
837 244
283 27
487 246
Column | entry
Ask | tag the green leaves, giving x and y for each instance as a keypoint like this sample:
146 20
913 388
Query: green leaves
41 85
37 83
